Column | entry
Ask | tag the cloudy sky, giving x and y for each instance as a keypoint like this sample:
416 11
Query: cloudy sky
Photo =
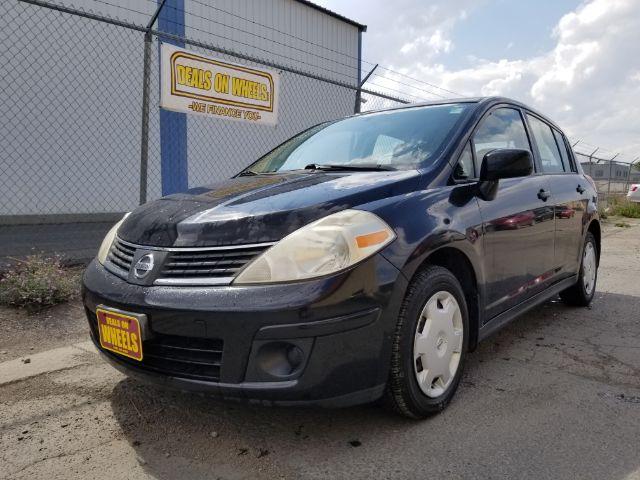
576 61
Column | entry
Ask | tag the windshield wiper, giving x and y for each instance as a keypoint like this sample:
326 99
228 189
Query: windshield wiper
247 173
344 168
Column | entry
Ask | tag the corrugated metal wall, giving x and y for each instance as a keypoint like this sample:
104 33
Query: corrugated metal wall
294 34
71 94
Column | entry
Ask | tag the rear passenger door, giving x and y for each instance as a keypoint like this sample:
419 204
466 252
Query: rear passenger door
518 224
569 190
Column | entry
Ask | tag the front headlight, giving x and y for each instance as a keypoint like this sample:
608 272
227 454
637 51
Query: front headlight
325 246
108 240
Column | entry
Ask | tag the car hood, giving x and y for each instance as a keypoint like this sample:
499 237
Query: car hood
257 209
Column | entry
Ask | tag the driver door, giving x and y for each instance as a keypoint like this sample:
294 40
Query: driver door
518 224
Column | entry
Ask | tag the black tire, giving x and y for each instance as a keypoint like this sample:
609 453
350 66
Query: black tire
403 394
577 295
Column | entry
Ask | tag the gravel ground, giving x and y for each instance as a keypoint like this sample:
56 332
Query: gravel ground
554 395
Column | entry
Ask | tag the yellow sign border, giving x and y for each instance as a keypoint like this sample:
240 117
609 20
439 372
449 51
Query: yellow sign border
207 98
111 349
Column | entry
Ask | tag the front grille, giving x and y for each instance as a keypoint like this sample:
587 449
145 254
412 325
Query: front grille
212 264
174 355
120 257
186 357
186 265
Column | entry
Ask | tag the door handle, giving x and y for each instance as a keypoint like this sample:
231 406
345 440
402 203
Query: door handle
544 195
580 189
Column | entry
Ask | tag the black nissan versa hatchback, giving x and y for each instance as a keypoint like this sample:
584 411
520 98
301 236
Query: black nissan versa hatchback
360 260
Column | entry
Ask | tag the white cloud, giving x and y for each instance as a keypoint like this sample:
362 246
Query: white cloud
413 29
589 82
436 44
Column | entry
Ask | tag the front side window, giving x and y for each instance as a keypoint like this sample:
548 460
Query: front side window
397 139
464 169
503 128
547 147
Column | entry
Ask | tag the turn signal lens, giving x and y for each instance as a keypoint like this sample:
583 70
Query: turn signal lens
108 240
371 239
326 246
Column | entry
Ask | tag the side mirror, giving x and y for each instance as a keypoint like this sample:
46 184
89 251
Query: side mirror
506 163
502 163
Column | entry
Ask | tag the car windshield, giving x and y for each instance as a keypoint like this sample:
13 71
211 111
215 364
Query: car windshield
396 139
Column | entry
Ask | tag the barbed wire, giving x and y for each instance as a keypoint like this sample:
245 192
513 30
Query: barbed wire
262 25
406 85
253 34
579 144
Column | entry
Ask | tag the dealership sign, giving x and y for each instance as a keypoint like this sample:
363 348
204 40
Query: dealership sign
193 83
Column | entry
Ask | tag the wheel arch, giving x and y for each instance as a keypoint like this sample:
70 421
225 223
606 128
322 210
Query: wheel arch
596 230
458 263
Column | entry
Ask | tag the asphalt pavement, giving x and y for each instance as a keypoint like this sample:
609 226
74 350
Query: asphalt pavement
555 395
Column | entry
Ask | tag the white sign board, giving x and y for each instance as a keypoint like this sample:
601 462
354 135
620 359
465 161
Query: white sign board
193 83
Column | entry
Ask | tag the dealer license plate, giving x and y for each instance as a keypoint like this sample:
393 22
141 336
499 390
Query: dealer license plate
120 332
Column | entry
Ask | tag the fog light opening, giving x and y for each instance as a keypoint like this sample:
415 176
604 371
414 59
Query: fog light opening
280 359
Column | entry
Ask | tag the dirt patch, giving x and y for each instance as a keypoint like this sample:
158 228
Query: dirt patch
22 333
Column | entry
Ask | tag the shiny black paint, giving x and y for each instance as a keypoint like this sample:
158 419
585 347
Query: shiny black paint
506 163
518 242
257 209
520 248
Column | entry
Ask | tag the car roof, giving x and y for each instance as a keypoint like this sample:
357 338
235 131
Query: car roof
480 101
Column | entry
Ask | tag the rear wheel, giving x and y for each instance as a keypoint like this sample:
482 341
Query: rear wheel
430 345
581 294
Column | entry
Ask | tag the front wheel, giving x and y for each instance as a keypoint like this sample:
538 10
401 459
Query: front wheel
581 294
430 345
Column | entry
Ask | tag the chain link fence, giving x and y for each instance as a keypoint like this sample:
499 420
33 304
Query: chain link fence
73 155
612 178
72 97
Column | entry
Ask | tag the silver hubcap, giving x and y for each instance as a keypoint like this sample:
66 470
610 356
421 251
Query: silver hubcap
437 346
589 268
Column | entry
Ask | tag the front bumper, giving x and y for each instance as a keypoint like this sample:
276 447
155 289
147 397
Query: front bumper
342 327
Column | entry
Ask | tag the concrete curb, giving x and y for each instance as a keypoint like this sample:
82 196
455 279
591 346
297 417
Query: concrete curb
45 362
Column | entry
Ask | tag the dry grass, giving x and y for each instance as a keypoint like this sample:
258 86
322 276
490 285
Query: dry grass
37 282
624 208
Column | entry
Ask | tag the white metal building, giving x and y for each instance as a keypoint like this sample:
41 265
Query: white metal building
71 96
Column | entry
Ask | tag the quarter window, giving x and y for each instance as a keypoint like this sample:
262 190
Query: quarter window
503 128
547 147
564 153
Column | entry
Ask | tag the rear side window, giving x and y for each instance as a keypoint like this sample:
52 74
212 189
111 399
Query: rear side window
503 128
548 148
564 153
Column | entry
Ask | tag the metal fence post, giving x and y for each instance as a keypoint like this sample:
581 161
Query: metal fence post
610 173
633 162
144 135
358 105
146 83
